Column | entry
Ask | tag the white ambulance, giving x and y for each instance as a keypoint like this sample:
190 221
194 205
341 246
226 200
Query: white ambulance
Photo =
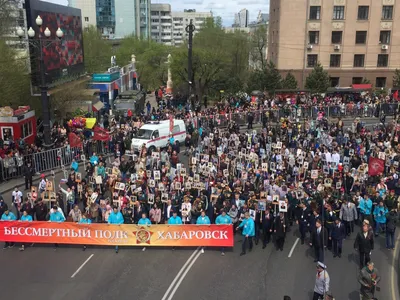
157 134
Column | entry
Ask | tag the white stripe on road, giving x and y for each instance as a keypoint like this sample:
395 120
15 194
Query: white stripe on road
183 276
294 246
82 265
179 273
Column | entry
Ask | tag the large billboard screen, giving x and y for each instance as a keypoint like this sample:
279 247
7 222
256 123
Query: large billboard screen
62 58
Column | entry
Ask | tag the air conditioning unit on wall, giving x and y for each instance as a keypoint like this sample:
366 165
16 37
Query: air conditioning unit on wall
336 47
385 47
309 47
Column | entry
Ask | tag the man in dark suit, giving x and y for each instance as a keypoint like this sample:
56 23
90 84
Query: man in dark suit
303 220
319 240
267 221
279 228
364 243
338 233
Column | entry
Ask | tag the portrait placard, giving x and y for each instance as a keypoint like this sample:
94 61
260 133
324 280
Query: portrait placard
283 206
164 197
275 198
152 183
78 177
148 173
150 199
314 174
262 205
99 180
194 160
177 185
226 172
346 160
119 186
325 169
188 185
157 174
264 167
161 186
196 177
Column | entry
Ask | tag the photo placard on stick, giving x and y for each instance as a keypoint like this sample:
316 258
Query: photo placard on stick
119 186
157 174
177 185
164 197
283 206
78 177
314 174
99 180
150 199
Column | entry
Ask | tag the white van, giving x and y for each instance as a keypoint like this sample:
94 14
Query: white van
156 135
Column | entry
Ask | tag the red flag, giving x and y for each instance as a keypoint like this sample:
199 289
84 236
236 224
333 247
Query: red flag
171 124
396 95
100 134
376 166
74 140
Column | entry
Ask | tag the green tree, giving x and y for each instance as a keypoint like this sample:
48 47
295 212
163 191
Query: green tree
289 82
318 80
396 78
97 51
151 60
14 78
256 81
273 78
258 44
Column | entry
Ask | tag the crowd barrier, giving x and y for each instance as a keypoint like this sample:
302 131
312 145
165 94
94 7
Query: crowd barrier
303 113
117 235
13 166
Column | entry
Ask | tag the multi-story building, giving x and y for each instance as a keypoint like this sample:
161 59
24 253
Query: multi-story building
351 39
180 20
161 23
88 10
116 19
241 19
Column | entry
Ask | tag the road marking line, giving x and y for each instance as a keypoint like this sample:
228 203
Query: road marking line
179 273
294 246
183 276
82 265
396 247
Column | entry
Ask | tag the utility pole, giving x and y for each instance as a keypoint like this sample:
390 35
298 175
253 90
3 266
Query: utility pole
190 29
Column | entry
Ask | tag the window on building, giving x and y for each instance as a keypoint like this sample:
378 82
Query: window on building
86 19
312 60
26 129
387 12
335 61
155 20
363 12
313 37
384 37
334 81
154 27
356 80
380 82
337 37
154 13
361 37
359 60
383 60
315 12
338 12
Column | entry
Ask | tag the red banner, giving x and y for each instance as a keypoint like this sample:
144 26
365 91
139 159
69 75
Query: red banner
74 140
125 234
376 166
101 134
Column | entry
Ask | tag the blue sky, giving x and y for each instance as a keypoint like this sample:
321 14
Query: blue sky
223 8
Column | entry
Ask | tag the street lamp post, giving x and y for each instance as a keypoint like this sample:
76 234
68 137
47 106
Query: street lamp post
39 44
190 29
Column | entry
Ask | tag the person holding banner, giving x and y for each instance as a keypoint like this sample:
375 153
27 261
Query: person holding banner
84 220
144 221
203 220
56 216
25 218
8 216
174 220
248 232
223 219
116 218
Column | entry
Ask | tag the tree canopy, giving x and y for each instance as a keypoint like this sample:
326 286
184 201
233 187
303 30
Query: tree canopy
318 80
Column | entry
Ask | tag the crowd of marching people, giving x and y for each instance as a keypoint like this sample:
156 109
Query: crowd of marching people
324 178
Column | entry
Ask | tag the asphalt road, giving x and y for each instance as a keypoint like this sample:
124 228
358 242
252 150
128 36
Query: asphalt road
163 274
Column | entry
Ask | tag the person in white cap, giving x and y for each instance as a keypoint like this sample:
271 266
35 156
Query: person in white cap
321 282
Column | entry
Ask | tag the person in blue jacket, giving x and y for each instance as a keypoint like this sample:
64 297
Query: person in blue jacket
84 220
74 166
248 232
365 206
223 219
174 220
57 217
380 212
8 216
116 218
144 221
203 220
25 218
94 160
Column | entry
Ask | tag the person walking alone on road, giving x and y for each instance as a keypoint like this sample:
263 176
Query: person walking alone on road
319 240
279 228
391 221
116 218
248 232
368 278
338 234
364 244
29 171
322 282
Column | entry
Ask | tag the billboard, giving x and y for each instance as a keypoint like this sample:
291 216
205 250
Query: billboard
62 58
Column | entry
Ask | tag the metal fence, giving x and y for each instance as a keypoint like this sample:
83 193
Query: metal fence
13 167
303 113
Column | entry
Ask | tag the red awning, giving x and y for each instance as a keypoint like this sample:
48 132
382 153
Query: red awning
365 86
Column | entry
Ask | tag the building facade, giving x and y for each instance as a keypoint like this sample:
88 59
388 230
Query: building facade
169 27
352 40
161 23
88 10
241 19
